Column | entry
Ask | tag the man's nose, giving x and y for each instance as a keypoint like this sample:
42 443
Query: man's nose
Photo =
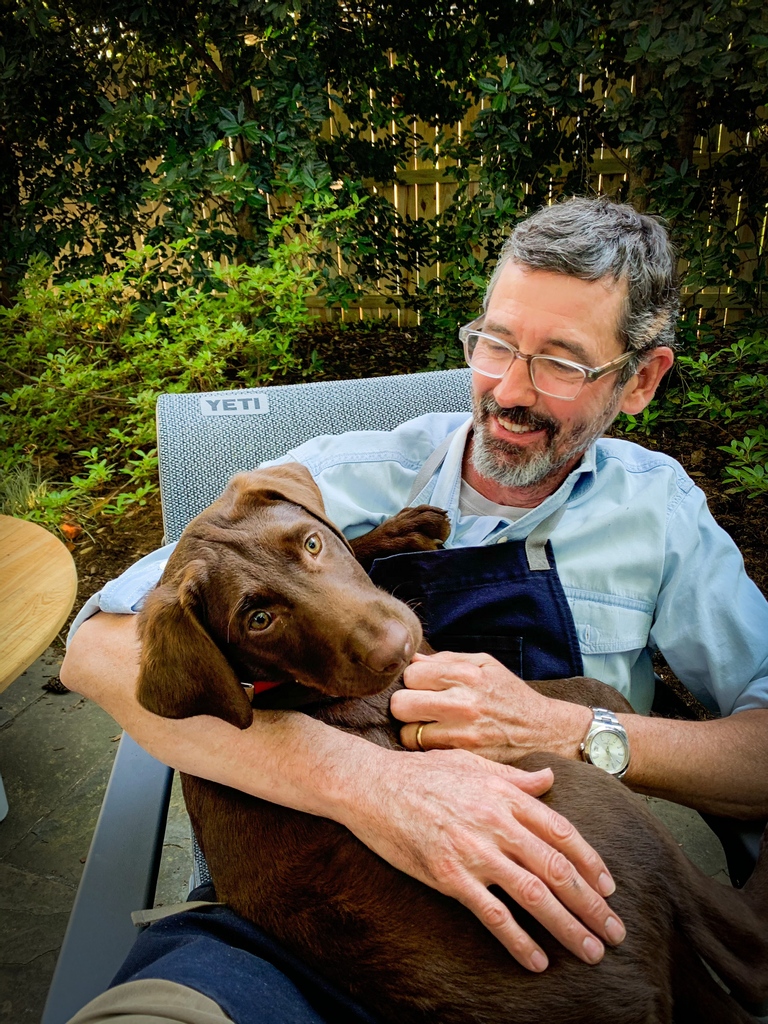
515 387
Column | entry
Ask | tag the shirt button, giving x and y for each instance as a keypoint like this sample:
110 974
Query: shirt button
502 540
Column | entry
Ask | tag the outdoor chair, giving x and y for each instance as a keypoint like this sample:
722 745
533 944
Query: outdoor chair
203 439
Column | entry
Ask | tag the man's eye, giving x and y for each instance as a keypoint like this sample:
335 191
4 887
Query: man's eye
260 620
313 544
488 350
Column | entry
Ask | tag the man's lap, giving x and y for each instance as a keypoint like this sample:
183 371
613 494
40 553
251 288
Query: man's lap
231 964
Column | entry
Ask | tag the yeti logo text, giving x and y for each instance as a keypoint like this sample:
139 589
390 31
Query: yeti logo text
234 405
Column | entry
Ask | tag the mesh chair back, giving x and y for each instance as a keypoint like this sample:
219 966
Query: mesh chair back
203 439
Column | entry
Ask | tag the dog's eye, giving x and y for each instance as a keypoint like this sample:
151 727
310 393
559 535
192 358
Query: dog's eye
313 544
260 620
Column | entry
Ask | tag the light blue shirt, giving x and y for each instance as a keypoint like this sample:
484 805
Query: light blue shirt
643 564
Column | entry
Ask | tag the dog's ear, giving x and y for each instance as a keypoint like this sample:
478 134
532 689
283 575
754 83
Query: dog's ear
290 482
183 673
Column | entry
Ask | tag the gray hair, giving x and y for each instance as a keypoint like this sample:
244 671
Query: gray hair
596 238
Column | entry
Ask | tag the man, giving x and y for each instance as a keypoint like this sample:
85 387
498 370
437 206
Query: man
613 542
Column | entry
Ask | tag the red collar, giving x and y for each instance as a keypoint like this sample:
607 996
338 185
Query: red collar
292 694
261 685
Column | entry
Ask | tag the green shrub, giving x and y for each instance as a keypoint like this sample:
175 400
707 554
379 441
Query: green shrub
85 361
721 377
726 382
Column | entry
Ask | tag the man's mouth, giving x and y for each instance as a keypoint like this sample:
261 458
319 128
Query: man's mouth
517 421
516 428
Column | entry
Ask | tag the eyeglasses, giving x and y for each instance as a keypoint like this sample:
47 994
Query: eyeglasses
558 378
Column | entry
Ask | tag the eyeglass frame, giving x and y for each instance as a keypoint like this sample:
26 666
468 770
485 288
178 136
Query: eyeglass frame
591 374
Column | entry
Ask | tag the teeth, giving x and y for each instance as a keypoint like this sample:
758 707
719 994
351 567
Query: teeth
516 428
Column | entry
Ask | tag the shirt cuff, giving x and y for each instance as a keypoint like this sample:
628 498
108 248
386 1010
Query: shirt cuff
126 594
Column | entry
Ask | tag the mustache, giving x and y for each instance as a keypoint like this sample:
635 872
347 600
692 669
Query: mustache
521 416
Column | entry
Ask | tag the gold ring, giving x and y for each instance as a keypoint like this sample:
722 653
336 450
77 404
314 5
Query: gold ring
419 731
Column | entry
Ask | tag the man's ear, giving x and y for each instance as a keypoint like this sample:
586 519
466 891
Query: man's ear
183 673
641 388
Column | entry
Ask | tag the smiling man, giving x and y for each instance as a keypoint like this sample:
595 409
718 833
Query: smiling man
569 553
537 403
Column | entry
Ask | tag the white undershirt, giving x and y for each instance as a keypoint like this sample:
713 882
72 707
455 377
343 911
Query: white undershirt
473 503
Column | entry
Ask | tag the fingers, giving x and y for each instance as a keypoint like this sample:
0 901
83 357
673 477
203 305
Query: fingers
533 783
443 656
560 834
431 690
425 667
429 734
532 895
471 828
496 917
542 881
413 737
509 853
446 700
563 874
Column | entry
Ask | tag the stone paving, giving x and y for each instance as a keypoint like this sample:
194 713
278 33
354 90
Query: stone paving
56 752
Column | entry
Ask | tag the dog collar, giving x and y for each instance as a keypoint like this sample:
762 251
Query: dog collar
281 696
260 686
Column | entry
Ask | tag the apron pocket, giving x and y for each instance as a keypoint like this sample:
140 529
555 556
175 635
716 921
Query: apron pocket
506 649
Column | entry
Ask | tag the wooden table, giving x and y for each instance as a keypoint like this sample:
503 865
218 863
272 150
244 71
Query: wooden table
38 584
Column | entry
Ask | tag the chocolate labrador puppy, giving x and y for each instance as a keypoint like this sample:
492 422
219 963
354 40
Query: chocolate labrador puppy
263 589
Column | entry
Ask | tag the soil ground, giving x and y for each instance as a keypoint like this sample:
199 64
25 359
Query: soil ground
350 351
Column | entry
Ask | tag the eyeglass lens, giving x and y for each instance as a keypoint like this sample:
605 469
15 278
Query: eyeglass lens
550 375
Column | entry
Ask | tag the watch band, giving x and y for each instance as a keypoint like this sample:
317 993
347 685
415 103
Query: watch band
605 721
601 716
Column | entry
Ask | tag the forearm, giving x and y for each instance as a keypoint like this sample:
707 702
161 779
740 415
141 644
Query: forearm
284 757
473 702
720 766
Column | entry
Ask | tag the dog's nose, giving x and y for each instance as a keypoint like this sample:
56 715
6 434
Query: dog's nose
390 649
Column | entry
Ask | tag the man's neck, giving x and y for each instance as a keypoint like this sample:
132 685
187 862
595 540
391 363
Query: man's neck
518 497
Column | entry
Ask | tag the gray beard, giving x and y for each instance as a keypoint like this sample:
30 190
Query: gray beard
512 467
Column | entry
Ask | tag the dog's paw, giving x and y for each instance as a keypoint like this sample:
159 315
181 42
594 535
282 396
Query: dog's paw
423 528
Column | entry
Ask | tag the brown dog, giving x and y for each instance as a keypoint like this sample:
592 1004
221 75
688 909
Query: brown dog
263 587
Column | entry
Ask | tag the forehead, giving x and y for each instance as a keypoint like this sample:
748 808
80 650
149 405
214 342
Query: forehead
541 307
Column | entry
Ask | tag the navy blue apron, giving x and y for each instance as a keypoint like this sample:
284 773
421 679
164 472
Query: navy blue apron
489 600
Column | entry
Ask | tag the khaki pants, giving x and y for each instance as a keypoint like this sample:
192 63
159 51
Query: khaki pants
151 1001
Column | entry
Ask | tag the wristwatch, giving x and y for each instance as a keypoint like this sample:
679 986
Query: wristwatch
606 744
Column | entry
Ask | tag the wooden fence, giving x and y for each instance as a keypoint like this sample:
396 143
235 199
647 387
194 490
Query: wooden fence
423 190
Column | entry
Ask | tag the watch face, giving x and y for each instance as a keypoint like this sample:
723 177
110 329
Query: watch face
608 751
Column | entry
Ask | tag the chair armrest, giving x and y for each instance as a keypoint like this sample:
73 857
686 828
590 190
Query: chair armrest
119 877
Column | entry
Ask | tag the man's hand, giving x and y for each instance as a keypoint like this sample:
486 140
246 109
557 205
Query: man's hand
461 824
472 702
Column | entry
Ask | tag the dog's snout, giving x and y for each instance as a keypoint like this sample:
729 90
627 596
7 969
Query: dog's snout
389 649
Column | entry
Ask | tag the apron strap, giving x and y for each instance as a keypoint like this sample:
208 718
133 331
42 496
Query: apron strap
535 542
434 461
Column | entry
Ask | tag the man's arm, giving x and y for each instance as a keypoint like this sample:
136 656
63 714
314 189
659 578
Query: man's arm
455 821
474 702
